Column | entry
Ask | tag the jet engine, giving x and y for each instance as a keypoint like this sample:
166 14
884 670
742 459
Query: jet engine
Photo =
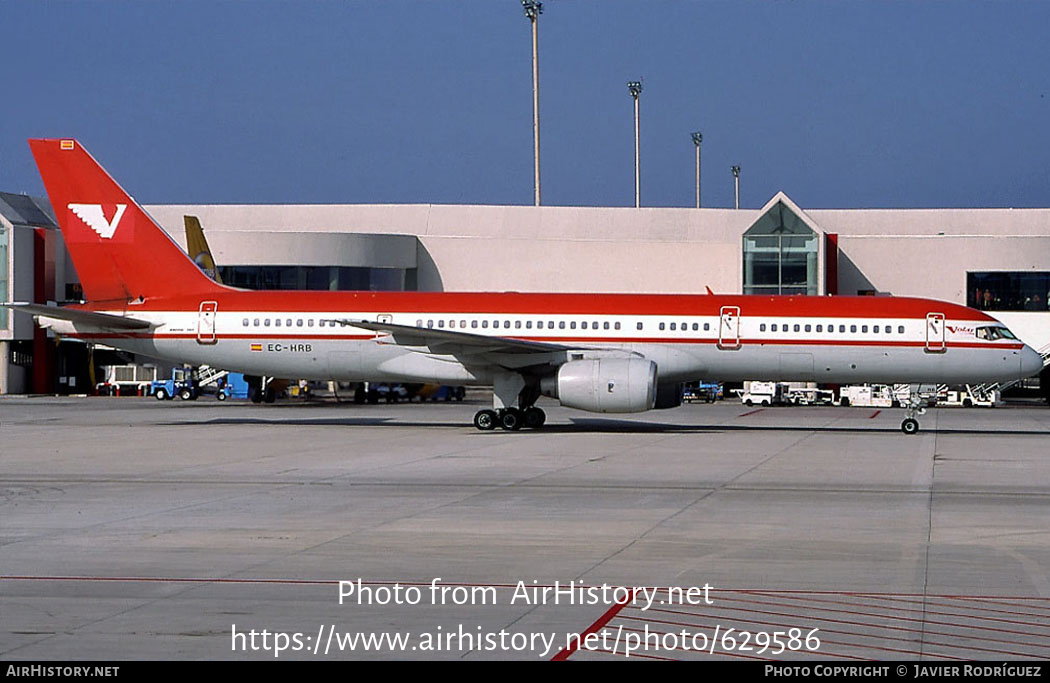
604 385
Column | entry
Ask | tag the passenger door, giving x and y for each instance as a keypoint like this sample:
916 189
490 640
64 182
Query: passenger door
935 340
206 322
729 328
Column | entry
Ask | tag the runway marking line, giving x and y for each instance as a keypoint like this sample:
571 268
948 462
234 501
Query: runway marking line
594 628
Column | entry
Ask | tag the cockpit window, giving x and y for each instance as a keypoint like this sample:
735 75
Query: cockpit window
993 333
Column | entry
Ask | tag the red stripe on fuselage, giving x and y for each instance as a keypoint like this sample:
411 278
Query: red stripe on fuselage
456 303
567 340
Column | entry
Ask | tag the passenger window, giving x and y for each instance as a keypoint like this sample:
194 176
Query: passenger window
617 325
638 325
473 324
246 322
572 325
506 324
798 328
606 326
517 324
672 327
661 326
707 326
266 323
808 328
277 322
430 324
299 322
852 328
256 322
561 324
322 323
528 324
462 324
419 323
875 329
900 329
583 325
441 324
696 327
550 324
762 327
685 326
310 323
842 328
863 328
773 327
820 328
485 324
289 321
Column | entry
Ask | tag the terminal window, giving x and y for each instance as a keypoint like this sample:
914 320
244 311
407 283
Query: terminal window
1008 291
780 254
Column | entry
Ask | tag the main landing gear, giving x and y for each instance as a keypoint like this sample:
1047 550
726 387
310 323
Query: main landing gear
510 419
509 389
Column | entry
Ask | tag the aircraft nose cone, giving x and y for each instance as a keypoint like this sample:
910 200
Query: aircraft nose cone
1031 362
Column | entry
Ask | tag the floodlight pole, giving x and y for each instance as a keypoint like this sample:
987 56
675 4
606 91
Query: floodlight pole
736 183
533 10
697 139
635 88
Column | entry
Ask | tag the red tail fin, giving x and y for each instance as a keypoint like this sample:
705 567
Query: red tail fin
119 252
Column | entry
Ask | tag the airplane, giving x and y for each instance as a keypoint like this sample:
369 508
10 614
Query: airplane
605 353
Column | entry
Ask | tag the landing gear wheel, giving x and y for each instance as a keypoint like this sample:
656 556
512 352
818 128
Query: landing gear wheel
534 418
161 394
221 395
185 394
511 419
910 426
485 420
269 396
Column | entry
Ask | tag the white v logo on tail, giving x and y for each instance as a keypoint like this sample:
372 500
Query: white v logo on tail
95 219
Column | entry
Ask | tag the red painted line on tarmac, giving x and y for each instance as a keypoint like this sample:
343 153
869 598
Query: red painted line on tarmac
874 415
290 582
928 604
822 640
849 622
751 412
594 628
861 612
879 636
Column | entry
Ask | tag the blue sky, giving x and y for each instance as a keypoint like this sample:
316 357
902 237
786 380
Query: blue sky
839 104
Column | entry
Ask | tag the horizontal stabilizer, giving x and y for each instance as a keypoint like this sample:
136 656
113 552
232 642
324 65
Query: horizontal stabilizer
76 315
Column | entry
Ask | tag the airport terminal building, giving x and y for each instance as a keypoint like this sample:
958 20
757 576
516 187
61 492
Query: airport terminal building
996 260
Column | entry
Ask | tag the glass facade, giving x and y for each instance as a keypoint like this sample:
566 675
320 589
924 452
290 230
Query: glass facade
4 251
780 254
1026 290
330 278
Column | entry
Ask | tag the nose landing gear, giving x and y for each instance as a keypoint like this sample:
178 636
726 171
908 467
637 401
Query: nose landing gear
916 405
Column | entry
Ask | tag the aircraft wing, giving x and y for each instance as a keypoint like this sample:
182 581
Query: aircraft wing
76 315
455 343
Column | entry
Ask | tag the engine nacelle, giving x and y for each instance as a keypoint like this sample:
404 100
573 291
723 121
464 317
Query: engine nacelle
604 385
